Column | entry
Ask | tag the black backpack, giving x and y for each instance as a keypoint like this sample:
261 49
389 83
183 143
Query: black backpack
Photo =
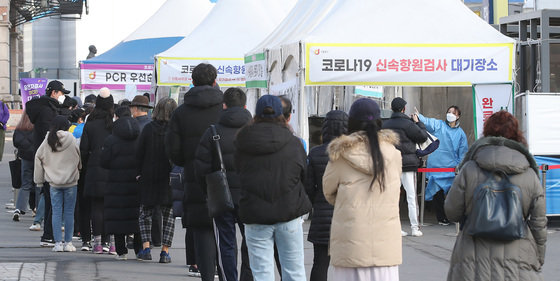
497 211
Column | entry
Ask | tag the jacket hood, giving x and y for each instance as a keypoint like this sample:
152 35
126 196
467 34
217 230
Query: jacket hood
400 115
497 153
159 127
263 138
33 107
204 96
335 124
66 139
354 149
126 128
235 117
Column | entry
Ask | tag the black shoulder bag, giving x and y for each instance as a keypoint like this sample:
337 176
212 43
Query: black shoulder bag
219 196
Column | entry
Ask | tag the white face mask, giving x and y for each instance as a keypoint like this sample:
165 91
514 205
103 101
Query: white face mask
451 117
61 99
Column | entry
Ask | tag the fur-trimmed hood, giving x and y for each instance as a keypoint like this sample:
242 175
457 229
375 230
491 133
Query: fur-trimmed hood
354 148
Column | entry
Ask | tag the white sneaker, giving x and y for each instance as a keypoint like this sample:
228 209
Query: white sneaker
417 232
68 247
403 233
35 227
58 247
121 257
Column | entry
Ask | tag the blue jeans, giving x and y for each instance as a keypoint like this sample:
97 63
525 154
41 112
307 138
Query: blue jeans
40 208
63 199
289 241
26 186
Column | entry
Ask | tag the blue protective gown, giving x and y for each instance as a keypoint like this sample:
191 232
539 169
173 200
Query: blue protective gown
452 148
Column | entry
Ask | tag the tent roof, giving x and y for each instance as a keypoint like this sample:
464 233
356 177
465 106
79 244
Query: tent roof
377 21
231 28
161 31
404 21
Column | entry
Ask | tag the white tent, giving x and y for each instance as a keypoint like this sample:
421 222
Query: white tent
375 42
232 28
128 66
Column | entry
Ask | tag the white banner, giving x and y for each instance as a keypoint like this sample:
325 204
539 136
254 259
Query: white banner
291 90
178 71
488 99
543 128
257 71
408 64
115 76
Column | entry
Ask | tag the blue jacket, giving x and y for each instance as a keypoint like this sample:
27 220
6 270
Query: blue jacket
452 148
78 130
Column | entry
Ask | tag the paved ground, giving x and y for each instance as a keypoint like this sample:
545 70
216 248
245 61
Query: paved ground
21 257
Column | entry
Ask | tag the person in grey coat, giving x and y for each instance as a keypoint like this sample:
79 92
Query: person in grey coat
475 258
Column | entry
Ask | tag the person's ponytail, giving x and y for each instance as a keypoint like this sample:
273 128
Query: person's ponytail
371 128
59 123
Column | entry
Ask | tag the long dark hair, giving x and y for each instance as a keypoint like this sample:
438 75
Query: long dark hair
371 128
60 123
279 120
106 115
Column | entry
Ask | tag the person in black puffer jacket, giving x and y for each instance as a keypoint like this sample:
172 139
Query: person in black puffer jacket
271 163
23 141
334 125
98 127
202 107
153 168
411 131
232 119
122 197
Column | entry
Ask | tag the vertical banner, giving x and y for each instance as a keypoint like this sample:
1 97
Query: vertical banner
256 74
31 87
291 90
488 99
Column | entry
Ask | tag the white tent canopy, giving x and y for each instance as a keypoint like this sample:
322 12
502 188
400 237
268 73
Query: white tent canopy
225 35
175 18
127 68
342 34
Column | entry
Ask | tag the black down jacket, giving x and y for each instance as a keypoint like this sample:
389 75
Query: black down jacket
152 165
92 139
335 124
410 134
41 112
23 141
271 163
121 200
202 107
207 160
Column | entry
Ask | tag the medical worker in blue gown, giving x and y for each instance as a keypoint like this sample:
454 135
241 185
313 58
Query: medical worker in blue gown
452 148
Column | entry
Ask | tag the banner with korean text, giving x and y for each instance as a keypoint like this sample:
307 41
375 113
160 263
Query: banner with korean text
31 87
488 99
116 76
178 71
257 72
408 64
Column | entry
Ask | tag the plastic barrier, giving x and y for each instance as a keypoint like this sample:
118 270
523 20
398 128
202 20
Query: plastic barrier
550 179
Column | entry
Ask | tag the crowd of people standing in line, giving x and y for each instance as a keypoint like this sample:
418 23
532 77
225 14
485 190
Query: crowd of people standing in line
114 163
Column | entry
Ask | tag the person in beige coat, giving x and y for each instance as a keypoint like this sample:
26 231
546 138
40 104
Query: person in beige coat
58 163
362 181
475 258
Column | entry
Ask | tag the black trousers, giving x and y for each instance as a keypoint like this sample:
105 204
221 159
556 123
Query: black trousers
84 215
47 225
120 244
205 252
438 201
97 216
189 247
321 262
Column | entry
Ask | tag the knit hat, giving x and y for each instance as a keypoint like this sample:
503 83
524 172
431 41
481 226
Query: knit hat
271 101
104 100
398 104
364 109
